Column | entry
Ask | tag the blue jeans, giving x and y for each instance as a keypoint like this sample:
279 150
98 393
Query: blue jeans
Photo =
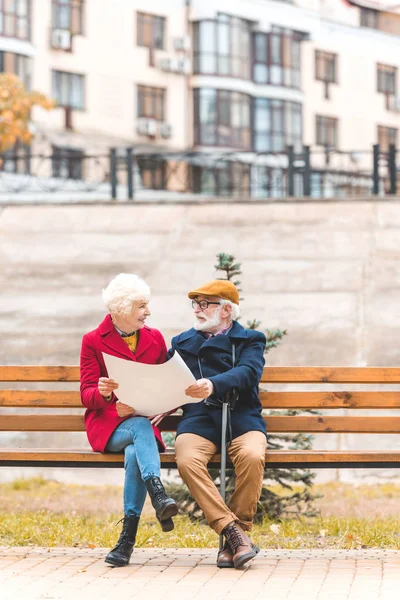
135 436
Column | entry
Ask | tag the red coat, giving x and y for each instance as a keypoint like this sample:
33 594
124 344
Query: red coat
101 417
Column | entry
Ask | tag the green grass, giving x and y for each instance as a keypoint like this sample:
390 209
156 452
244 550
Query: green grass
47 529
45 513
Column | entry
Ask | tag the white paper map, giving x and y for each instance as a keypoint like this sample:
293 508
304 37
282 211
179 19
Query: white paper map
151 389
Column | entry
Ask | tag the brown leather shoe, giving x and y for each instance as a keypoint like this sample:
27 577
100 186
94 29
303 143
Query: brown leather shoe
225 557
240 544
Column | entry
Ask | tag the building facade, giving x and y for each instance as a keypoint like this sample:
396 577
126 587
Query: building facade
237 78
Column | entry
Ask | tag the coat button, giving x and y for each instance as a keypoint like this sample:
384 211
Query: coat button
203 360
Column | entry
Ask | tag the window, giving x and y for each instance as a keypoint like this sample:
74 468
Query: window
15 18
276 57
68 14
152 173
68 89
369 18
150 30
222 118
67 162
277 124
386 137
17 159
326 69
224 179
150 102
326 131
18 64
387 83
222 47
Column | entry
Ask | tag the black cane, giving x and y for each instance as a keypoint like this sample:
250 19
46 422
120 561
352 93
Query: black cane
222 475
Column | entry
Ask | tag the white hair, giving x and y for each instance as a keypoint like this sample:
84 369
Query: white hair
235 313
123 292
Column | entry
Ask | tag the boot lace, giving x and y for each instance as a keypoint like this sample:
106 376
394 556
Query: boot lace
234 538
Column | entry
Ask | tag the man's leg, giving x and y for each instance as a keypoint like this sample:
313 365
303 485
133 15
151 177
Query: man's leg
193 454
247 453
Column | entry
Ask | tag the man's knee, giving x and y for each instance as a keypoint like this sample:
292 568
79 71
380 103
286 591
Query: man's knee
252 458
189 460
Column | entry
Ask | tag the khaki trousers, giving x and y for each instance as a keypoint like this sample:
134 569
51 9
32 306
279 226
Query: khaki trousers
247 453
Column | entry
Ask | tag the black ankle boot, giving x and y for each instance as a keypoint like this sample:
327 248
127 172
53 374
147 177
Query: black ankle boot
167 524
165 507
120 555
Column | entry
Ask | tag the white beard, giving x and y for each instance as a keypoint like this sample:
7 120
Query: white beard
211 322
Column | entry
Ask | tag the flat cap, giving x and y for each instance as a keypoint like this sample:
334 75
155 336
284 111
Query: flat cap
219 287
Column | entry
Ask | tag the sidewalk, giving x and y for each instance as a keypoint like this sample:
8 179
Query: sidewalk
174 574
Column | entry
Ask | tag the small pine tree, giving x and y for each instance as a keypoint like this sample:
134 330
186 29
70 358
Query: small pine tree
271 504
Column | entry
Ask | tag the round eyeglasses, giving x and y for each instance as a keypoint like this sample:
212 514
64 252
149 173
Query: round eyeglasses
203 304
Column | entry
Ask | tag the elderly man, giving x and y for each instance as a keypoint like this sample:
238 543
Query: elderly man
224 357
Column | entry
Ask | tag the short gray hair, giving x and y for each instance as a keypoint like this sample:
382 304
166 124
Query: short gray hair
123 292
235 308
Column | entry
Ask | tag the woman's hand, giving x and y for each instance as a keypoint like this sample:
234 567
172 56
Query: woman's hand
203 388
124 410
156 419
106 386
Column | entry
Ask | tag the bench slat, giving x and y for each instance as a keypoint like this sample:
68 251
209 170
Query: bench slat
39 373
275 424
40 399
331 375
274 400
270 374
330 400
279 456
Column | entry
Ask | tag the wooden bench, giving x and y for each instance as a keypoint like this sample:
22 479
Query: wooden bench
36 417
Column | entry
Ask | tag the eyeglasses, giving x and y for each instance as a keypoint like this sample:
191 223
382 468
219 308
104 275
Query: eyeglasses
203 304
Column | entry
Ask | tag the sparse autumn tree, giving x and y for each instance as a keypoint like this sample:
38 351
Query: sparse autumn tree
16 104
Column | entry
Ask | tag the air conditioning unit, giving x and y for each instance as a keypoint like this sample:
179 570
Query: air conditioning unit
147 127
169 64
184 66
165 130
182 43
61 39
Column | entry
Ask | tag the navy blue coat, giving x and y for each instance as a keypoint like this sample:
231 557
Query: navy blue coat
212 359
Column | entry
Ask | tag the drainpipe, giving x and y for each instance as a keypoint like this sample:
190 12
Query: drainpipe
189 107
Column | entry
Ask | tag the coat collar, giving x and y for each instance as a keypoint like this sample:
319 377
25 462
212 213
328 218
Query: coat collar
112 339
192 340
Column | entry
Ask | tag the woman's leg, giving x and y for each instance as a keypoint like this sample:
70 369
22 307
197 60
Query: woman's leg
139 432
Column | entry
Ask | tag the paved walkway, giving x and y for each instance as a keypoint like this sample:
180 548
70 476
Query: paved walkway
174 574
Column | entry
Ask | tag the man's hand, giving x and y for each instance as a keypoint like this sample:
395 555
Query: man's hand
106 386
124 410
203 388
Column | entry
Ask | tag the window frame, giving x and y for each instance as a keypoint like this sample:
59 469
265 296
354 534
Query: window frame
236 26
11 16
73 156
279 112
225 102
324 123
385 131
150 20
287 44
75 17
156 113
70 75
17 61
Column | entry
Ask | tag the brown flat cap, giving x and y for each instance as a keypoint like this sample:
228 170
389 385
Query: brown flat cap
220 288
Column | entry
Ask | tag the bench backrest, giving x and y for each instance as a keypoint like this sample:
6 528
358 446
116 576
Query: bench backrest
37 401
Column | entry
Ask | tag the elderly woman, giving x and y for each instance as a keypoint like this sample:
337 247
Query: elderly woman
115 427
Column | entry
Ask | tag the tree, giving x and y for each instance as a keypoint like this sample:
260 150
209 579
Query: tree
16 104
271 504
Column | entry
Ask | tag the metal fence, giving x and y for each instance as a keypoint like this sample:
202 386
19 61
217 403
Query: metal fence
126 173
